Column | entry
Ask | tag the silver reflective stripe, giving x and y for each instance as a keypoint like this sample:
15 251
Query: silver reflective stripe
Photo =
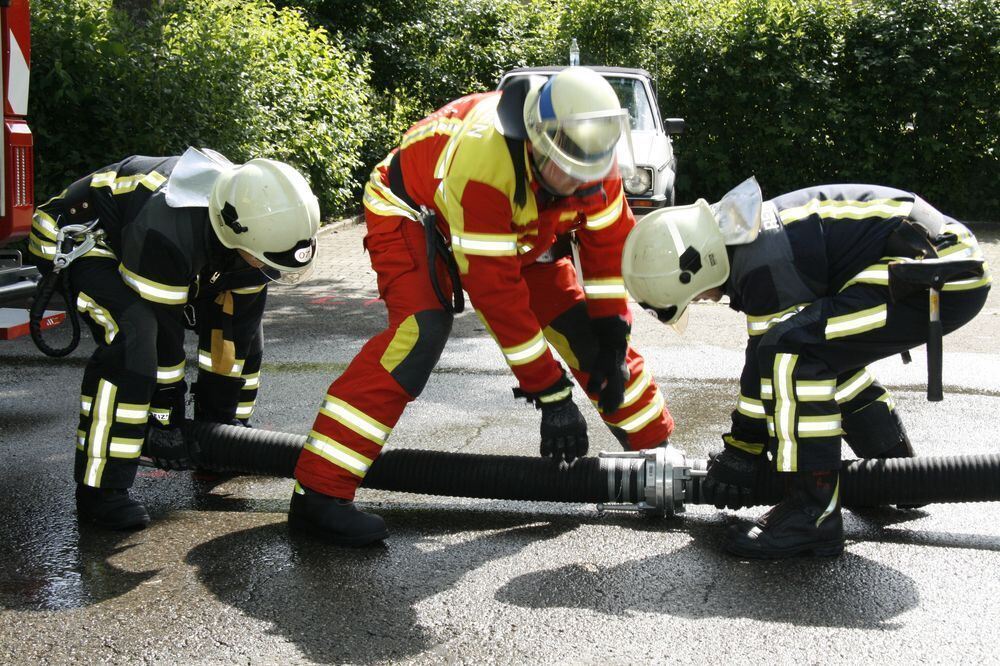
527 352
354 419
643 417
337 453
856 322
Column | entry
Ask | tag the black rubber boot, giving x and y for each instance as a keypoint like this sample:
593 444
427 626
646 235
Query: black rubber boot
807 521
111 508
334 520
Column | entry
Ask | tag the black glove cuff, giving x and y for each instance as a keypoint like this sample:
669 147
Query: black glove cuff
556 394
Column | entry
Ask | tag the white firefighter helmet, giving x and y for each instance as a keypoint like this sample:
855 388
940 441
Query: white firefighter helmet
267 209
574 119
673 255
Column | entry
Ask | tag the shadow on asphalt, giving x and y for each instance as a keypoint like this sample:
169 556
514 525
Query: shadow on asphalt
699 581
359 605
55 574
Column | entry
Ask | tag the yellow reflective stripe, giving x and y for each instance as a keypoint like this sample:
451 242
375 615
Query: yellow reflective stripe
607 216
819 426
888 400
604 288
125 447
815 391
81 440
486 245
337 453
39 249
750 408
43 223
205 363
755 449
86 402
856 322
847 210
355 419
154 291
170 374
128 413
249 290
760 324
526 352
100 427
643 417
101 316
875 274
766 389
161 414
445 126
109 179
637 386
784 411
381 200
251 381
244 410
556 397
852 387
831 507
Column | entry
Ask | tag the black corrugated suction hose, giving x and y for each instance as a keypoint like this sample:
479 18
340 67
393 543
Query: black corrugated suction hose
922 480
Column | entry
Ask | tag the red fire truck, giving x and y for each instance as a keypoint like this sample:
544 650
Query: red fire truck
17 281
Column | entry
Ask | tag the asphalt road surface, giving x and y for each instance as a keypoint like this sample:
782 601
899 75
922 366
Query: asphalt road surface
217 578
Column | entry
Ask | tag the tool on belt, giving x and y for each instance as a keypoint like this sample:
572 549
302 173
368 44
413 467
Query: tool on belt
72 242
437 247
906 277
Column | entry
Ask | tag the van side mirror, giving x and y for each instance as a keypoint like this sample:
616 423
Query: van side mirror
673 125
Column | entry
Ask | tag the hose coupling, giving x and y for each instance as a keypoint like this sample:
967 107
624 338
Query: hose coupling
665 481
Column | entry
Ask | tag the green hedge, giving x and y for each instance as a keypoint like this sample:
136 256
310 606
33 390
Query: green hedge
425 53
898 92
234 75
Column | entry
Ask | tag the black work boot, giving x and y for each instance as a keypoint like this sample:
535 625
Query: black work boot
337 521
808 520
111 508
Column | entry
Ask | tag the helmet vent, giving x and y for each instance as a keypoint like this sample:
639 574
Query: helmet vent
690 261
231 219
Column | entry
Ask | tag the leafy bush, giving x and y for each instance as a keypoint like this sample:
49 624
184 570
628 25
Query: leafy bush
234 75
896 92
425 53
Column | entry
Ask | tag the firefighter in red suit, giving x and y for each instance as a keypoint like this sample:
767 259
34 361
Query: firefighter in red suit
495 180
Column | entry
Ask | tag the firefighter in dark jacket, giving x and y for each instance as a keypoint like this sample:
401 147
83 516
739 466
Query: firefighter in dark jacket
163 244
811 270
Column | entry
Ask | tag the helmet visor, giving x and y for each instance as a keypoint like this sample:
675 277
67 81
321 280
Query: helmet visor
288 278
585 146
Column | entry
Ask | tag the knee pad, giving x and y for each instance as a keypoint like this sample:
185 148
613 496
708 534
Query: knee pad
416 349
875 431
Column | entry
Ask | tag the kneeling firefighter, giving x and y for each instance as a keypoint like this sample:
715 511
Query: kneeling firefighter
145 248
821 274
481 196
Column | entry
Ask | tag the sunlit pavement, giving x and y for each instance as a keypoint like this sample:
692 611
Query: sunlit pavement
217 578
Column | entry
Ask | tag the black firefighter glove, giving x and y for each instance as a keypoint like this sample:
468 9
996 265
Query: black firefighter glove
563 428
167 448
610 373
732 476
